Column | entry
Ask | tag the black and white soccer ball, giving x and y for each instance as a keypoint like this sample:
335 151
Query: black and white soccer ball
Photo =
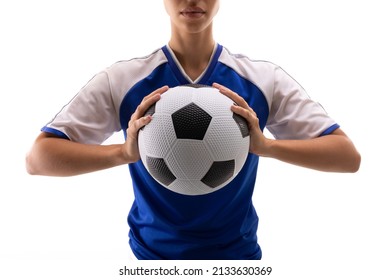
194 144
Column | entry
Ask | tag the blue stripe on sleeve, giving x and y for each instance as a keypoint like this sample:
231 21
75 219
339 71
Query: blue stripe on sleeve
330 130
55 132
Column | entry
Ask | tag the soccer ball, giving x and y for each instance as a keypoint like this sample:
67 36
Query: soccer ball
194 144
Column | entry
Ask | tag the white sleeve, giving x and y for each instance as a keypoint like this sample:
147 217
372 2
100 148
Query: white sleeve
90 117
293 115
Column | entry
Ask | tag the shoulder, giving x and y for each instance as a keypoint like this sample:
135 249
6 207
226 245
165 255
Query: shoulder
260 73
151 60
247 64
124 74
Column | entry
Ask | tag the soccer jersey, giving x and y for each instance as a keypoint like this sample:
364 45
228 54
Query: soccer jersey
168 225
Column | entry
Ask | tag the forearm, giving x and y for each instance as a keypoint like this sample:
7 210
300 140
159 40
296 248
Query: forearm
332 153
52 156
59 157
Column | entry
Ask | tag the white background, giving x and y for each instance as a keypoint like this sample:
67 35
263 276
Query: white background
312 224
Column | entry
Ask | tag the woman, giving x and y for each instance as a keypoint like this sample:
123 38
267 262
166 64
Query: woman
165 224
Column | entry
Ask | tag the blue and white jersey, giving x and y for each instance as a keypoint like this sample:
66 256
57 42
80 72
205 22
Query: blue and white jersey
168 225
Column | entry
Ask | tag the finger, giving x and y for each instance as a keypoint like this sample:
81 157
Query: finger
152 96
160 91
232 95
138 124
241 111
148 101
246 114
145 105
239 100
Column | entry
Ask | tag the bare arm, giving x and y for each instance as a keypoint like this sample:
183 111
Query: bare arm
334 152
53 156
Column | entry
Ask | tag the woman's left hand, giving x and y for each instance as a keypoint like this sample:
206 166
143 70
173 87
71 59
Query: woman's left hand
258 142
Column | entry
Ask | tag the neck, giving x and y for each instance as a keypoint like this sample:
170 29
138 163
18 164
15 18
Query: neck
193 51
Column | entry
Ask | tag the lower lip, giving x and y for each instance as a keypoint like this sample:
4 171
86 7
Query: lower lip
193 15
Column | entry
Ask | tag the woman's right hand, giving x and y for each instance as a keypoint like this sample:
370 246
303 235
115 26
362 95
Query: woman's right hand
137 121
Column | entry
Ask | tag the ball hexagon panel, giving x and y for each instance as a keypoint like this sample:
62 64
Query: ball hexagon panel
158 136
213 102
224 143
192 159
174 99
189 187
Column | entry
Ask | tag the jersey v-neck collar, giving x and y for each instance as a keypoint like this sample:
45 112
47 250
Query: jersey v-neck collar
179 72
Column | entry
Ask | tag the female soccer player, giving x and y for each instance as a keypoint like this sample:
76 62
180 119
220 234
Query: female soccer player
164 224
